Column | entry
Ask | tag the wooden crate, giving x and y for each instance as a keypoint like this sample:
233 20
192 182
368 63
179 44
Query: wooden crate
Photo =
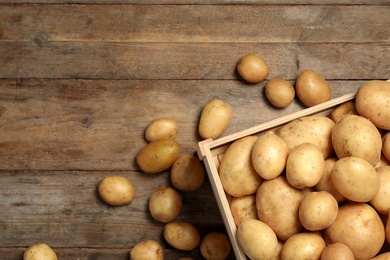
211 151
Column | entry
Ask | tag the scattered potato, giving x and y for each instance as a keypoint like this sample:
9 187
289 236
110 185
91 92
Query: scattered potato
161 128
312 89
187 173
215 246
279 92
165 204
39 251
147 250
337 251
305 245
252 68
181 235
116 190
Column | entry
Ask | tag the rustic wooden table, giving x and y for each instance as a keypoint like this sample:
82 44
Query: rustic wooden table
80 80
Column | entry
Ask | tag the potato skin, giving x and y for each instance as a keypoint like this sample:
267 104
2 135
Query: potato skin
252 68
305 245
372 102
182 235
187 173
215 246
381 201
147 250
243 208
39 251
279 92
116 190
161 128
312 89
158 155
165 204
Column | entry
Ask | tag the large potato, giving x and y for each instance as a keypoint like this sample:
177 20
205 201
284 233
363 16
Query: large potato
161 128
158 156
277 205
214 119
311 129
372 102
147 250
39 251
116 190
238 176
182 235
305 245
355 135
381 201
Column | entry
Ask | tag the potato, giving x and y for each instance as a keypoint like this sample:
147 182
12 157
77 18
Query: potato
215 246
312 89
386 145
214 119
337 251
269 155
305 165
359 227
237 174
165 204
355 179
277 205
372 102
382 256
387 228
278 255
161 128
39 251
318 210
147 250
257 239
305 245
326 184
252 68
381 201
158 156
346 108
181 235
356 136
310 129
279 92
116 190
187 173
243 208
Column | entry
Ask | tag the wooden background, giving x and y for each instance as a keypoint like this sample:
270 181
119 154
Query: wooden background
81 80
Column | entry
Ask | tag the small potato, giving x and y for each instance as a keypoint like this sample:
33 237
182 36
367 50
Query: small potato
355 135
310 129
305 165
269 155
305 245
252 68
355 179
257 239
116 190
181 235
215 246
381 201
147 250
39 251
187 173
158 156
386 145
326 184
243 208
279 92
161 128
312 89
337 251
165 204
372 102
318 210
346 108
236 171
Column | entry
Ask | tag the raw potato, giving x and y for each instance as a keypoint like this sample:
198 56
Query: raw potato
165 204
187 173
355 179
326 184
161 128
181 235
381 201
383 256
387 229
305 245
214 119
277 205
147 250
236 171
337 251
279 92
305 165
39 251
252 68
318 210
311 129
243 208
359 227
346 108
215 246
269 155
372 102
116 190
312 89
158 156
257 239
386 145
355 135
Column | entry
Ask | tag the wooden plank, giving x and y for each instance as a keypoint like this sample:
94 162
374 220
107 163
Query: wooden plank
98 60
99 124
199 23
